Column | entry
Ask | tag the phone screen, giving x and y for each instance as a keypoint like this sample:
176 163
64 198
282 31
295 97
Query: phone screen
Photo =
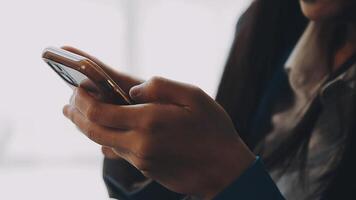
107 89
71 76
75 78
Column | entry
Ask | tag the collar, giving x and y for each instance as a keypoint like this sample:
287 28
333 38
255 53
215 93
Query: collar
308 64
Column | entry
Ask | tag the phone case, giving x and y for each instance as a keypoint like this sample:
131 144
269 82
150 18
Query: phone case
107 87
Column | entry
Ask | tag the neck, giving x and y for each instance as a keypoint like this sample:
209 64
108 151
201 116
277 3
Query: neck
348 48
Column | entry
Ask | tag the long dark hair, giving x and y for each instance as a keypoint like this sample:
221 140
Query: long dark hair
265 32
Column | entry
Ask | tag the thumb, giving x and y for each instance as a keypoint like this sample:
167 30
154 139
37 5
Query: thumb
162 90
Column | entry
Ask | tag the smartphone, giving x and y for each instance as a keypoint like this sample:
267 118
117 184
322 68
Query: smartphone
77 70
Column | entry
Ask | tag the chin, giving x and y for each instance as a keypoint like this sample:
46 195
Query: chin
320 10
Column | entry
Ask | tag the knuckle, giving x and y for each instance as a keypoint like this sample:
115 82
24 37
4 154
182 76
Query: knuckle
155 83
197 92
156 80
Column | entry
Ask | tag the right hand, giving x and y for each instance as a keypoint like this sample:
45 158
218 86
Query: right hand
125 81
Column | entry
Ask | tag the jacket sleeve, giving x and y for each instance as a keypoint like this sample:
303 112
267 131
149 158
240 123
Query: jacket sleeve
254 184
115 174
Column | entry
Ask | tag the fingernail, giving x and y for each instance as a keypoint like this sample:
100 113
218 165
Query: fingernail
135 91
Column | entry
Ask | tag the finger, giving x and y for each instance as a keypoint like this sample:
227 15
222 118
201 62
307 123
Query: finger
160 89
109 115
98 134
90 86
124 81
84 54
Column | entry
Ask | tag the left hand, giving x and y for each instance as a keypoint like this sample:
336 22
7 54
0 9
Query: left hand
176 135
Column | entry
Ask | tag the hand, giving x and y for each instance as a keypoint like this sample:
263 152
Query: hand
126 174
126 83
176 135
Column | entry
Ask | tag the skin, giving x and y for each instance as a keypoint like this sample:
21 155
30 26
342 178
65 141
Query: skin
340 12
176 134
321 10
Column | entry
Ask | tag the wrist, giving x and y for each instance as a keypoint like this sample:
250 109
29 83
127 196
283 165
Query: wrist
124 173
240 159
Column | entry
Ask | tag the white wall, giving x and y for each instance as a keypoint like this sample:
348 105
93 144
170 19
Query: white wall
187 40
42 156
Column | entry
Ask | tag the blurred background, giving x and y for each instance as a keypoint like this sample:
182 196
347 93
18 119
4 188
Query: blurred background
42 155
